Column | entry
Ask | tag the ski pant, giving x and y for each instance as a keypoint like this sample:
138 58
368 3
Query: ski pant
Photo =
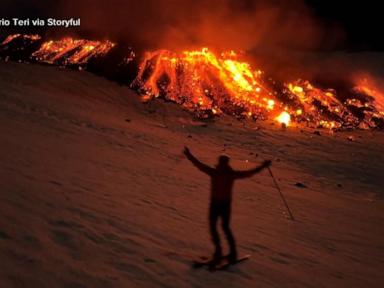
221 210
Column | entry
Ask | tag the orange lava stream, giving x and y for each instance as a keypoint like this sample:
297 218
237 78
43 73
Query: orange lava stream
71 51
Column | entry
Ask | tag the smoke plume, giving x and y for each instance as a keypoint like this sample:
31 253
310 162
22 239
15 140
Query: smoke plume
177 24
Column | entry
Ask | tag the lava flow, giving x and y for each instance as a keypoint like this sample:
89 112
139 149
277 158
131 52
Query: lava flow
208 84
71 51
12 37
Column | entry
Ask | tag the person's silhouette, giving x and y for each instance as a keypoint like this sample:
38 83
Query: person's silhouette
222 178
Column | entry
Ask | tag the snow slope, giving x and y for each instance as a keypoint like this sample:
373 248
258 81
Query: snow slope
95 192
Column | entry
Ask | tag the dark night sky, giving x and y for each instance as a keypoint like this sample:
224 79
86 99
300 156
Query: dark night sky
360 21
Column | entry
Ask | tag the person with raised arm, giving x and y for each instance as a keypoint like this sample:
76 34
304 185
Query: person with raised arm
222 179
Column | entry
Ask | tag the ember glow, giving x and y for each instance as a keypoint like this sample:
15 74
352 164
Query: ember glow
366 84
71 51
284 118
320 106
324 107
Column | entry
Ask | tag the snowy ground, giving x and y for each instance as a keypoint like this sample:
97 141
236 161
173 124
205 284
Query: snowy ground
95 192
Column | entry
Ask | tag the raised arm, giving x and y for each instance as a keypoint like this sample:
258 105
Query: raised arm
201 166
249 173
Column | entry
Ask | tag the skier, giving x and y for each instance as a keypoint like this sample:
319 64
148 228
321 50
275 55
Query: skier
222 178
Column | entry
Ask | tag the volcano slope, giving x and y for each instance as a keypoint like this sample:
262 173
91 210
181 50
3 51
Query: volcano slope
95 192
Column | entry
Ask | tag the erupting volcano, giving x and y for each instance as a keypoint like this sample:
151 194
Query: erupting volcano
210 84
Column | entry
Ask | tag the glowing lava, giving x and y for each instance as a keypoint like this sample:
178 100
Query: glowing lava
12 37
71 51
284 118
209 84
206 83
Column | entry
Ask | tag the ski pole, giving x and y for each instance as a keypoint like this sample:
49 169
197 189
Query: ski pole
281 195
